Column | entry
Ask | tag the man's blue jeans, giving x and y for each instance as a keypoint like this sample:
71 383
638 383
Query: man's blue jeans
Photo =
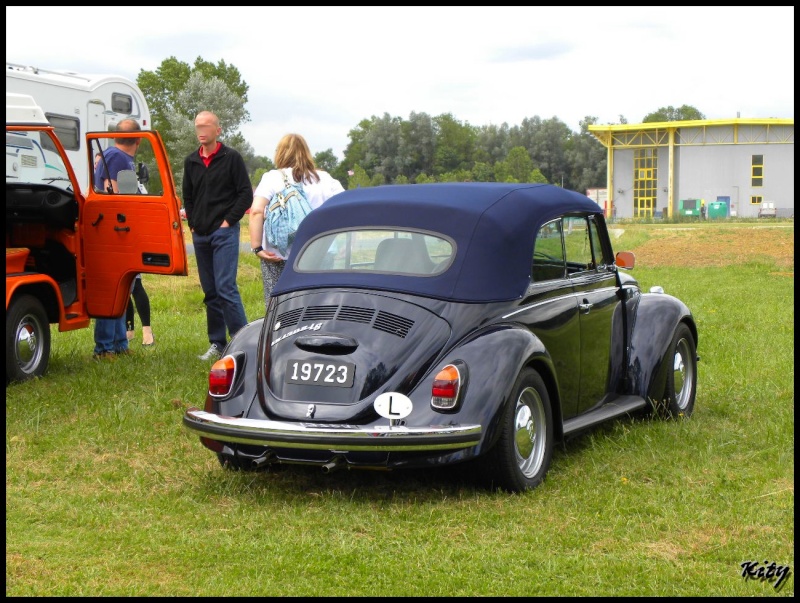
217 264
110 335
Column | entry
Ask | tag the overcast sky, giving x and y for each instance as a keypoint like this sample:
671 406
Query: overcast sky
483 65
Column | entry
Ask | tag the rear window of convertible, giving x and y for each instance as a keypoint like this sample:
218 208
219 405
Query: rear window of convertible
378 250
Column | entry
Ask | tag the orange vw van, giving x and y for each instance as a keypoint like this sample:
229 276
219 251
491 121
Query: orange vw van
72 257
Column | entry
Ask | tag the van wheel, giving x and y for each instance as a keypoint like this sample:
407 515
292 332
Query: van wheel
27 339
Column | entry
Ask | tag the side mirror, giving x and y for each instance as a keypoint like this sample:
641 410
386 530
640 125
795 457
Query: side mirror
625 259
127 183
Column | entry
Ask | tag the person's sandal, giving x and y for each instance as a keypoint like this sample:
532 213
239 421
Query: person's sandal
145 332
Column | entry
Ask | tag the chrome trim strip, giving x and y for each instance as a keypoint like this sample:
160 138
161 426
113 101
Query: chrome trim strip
330 436
539 303
558 298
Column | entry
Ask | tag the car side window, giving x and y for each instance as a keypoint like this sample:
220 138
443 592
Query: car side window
578 245
548 253
597 247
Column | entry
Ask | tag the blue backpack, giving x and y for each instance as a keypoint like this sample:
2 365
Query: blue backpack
287 208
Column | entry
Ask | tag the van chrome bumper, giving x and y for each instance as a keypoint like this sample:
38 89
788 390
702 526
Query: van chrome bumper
330 436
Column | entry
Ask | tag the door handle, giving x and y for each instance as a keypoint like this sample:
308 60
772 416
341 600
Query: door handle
585 307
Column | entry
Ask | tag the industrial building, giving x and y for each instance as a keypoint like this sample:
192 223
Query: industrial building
729 167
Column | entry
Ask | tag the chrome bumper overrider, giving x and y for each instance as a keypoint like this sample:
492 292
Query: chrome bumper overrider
324 436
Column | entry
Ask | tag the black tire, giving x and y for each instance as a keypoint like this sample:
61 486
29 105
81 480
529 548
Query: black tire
521 457
681 387
27 339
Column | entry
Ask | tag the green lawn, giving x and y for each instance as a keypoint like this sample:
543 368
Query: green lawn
107 494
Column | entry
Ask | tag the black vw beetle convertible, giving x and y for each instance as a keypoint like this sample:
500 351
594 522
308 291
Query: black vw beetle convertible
430 324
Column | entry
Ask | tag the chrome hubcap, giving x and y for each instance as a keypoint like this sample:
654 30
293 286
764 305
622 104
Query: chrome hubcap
683 374
28 350
529 432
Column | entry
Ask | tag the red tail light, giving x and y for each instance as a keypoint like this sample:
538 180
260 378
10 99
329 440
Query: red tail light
221 375
446 385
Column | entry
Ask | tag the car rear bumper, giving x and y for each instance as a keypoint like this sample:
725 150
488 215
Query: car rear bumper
336 437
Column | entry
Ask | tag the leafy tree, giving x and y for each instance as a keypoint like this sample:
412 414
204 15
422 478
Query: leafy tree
326 160
382 146
482 172
455 176
355 153
257 175
423 178
401 179
519 164
359 178
260 162
417 145
587 159
377 180
670 113
502 172
493 143
536 177
549 150
455 144
162 86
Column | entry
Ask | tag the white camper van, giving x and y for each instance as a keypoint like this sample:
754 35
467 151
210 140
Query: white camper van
77 103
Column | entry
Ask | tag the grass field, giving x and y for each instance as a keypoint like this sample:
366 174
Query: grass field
107 494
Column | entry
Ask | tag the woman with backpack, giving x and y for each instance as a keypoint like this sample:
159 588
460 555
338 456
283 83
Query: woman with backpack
295 169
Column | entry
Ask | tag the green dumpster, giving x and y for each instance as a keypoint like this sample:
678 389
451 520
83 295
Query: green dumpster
689 207
717 209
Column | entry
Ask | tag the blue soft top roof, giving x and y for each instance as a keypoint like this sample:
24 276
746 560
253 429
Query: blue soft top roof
492 224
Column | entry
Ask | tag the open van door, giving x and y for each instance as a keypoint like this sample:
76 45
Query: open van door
137 230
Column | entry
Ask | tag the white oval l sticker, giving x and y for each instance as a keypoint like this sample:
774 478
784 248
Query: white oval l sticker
391 405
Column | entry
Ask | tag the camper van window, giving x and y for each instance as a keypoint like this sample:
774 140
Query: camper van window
121 103
68 130
48 144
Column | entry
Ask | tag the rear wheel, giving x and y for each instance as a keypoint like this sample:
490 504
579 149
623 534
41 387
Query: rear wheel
521 457
27 339
681 387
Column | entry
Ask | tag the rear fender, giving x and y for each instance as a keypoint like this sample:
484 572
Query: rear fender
244 347
494 359
656 319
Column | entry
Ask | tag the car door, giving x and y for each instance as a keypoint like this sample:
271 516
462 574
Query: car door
595 289
130 232
550 310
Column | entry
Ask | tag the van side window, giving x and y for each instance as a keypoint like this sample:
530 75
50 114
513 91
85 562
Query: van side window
68 130
121 103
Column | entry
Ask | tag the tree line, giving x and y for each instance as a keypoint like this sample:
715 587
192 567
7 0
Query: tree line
387 149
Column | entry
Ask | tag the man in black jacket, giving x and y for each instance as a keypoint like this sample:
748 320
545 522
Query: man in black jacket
216 194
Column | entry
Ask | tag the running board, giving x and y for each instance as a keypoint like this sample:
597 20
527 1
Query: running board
610 410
